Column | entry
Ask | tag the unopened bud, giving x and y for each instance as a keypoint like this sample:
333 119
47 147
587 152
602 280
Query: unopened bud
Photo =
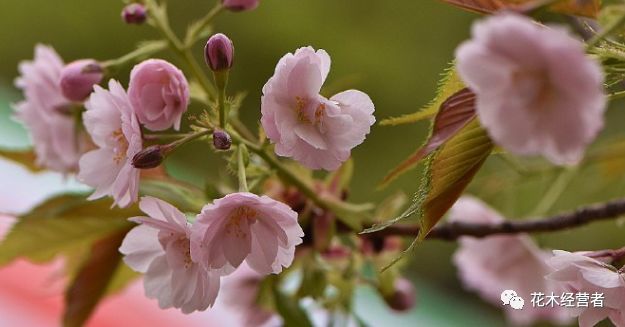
134 13
79 77
150 157
404 297
221 140
219 53
240 5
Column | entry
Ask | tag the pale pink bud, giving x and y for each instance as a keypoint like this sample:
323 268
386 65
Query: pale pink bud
219 52
134 13
240 5
79 77
159 94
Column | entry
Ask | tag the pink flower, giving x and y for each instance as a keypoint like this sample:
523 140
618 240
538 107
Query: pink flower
578 273
58 143
159 94
497 263
529 98
115 130
317 132
160 249
245 226
241 292
240 5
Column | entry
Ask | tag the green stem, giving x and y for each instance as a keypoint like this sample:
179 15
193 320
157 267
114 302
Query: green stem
194 32
143 51
555 191
188 138
241 170
613 27
286 174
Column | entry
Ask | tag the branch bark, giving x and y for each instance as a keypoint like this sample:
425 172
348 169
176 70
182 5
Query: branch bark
452 231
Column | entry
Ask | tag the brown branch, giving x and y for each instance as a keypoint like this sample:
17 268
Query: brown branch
451 231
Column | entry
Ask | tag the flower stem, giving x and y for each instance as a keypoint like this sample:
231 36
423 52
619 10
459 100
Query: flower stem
607 31
241 169
195 30
142 51
188 138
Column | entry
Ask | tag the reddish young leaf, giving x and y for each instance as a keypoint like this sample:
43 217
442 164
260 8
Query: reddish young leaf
92 280
453 115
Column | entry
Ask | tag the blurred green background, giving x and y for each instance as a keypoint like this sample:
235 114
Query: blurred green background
392 50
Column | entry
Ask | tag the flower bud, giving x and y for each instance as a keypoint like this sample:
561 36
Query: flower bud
221 140
219 52
134 13
404 297
150 157
79 77
240 5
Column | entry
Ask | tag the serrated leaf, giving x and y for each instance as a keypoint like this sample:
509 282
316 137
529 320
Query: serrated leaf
26 159
61 224
449 84
453 115
588 8
448 172
92 280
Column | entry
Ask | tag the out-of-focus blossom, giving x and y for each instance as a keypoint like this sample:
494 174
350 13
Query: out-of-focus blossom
246 227
317 132
134 13
240 5
113 127
159 94
47 114
219 52
578 273
160 248
528 97
404 297
504 262
241 294
79 77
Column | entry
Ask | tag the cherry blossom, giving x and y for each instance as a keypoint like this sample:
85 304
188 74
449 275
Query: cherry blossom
578 273
497 263
304 125
160 248
47 114
110 121
529 98
246 227
159 94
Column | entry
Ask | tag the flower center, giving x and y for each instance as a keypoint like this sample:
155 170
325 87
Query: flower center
241 215
185 249
309 114
535 87
121 145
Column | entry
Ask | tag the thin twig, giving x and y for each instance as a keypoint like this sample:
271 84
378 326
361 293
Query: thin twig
579 217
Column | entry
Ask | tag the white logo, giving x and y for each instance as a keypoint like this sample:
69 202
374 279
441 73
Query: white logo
510 297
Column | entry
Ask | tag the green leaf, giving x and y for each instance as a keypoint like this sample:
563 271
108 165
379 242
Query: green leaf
453 115
183 196
448 172
92 280
61 224
25 158
449 84
292 314
350 214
